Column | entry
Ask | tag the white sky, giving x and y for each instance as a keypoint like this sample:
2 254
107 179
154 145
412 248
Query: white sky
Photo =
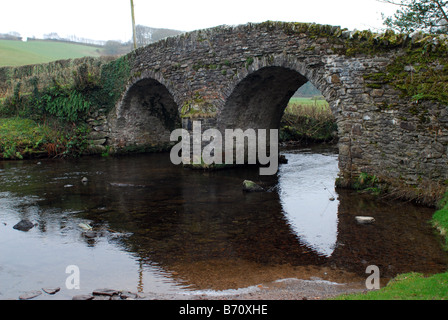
111 19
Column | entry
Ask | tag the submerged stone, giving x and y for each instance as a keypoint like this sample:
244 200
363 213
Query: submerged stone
250 186
364 220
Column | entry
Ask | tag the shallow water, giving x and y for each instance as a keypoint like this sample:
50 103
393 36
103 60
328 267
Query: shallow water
164 229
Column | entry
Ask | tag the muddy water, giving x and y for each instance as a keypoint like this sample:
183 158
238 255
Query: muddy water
161 229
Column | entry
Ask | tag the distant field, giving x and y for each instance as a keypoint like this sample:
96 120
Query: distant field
18 53
308 102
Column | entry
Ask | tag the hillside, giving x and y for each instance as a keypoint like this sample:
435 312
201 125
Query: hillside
17 53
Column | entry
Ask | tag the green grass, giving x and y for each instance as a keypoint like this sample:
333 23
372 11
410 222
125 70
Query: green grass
308 102
21 138
307 120
408 286
415 286
18 53
440 219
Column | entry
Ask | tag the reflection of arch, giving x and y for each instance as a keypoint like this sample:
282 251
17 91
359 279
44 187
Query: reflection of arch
260 97
147 114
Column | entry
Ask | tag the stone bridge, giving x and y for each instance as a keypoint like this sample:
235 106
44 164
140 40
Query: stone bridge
389 126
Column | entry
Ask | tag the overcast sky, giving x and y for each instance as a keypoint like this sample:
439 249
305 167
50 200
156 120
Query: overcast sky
111 19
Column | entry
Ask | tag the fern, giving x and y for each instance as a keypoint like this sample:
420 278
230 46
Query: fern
66 104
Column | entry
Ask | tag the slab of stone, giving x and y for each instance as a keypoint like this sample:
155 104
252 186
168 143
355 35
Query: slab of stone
105 292
30 295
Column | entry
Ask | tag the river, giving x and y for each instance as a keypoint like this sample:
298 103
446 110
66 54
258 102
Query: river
161 229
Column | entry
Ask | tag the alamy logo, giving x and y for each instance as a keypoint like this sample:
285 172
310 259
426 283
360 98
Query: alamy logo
373 281
236 151
72 281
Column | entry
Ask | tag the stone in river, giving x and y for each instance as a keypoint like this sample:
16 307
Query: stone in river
24 225
105 292
51 290
82 297
30 295
250 186
128 295
364 220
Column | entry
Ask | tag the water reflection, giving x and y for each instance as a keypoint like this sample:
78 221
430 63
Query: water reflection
311 211
163 228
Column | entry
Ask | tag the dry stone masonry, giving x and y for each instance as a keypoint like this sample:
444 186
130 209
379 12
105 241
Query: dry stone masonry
243 77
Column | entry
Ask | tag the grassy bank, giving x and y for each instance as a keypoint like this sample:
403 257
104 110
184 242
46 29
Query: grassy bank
307 120
23 138
18 53
47 114
415 286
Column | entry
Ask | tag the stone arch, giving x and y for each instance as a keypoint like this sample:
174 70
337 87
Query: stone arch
146 115
260 95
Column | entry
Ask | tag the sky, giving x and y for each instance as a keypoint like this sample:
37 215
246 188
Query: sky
111 19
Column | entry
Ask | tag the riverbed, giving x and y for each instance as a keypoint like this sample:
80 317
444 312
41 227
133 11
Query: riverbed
167 232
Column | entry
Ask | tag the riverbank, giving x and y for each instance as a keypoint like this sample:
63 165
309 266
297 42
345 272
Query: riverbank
290 289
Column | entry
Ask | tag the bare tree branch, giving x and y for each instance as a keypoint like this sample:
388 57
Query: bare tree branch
441 9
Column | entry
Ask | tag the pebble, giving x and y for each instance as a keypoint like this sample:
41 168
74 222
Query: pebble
365 220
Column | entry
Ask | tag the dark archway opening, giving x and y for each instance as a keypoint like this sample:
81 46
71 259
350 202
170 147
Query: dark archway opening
280 98
147 115
259 100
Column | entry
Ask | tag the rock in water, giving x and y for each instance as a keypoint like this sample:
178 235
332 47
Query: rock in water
83 297
51 290
30 295
250 186
24 225
105 292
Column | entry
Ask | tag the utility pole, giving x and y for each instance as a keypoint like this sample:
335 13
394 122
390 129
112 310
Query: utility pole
133 24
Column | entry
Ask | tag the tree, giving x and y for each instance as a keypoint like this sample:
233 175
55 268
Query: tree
112 47
429 16
143 35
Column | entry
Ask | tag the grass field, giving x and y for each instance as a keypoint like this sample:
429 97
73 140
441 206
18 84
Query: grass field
308 102
18 53
307 120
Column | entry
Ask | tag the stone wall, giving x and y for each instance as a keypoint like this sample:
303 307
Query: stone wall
39 76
